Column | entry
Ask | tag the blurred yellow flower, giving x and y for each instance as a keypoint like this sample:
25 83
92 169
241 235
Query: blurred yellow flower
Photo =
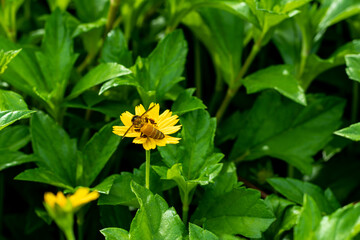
70 202
148 127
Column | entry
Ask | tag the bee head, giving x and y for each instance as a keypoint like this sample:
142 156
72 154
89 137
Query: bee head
136 120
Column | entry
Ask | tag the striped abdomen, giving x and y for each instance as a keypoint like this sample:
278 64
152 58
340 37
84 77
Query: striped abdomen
151 132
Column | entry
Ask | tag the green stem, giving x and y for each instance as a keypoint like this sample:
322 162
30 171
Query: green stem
236 84
185 212
355 102
197 56
147 171
69 234
80 224
114 8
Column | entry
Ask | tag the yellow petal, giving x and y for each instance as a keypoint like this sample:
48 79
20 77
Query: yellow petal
139 110
50 199
61 200
154 113
126 118
139 140
160 142
170 121
172 140
152 143
164 115
171 129
83 196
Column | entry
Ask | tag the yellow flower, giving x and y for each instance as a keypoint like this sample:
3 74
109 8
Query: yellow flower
144 133
70 202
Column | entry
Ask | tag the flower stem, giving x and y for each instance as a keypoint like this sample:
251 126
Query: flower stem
69 234
185 212
147 170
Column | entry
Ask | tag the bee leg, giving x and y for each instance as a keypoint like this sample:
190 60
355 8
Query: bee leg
143 135
152 121
137 130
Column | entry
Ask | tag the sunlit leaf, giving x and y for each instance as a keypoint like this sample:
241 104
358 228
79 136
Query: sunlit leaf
6 57
99 74
352 132
198 233
281 78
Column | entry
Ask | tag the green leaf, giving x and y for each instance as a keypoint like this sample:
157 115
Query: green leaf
185 102
115 234
11 158
309 220
23 72
281 78
286 213
196 149
14 138
336 11
287 131
342 224
271 12
97 75
287 41
154 219
9 117
87 27
241 212
295 190
221 32
115 49
56 151
352 132
120 192
57 57
91 10
11 101
198 233
315 65
163 67
97 152
105 186
6 57
43 175
126 80
353 64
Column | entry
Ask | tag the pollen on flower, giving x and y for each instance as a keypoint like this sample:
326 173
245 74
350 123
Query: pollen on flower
148 127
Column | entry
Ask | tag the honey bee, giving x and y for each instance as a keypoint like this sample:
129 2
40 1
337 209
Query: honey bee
145 126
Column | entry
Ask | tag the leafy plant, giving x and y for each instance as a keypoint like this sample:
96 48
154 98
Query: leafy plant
260 97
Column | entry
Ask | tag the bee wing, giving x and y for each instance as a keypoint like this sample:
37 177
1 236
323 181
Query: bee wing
148 110
126 132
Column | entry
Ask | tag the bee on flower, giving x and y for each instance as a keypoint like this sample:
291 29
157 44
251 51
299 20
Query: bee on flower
148 127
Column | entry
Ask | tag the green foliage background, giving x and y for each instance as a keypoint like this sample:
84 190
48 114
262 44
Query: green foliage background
267 92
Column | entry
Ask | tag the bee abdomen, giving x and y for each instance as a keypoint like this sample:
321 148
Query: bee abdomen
152 132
